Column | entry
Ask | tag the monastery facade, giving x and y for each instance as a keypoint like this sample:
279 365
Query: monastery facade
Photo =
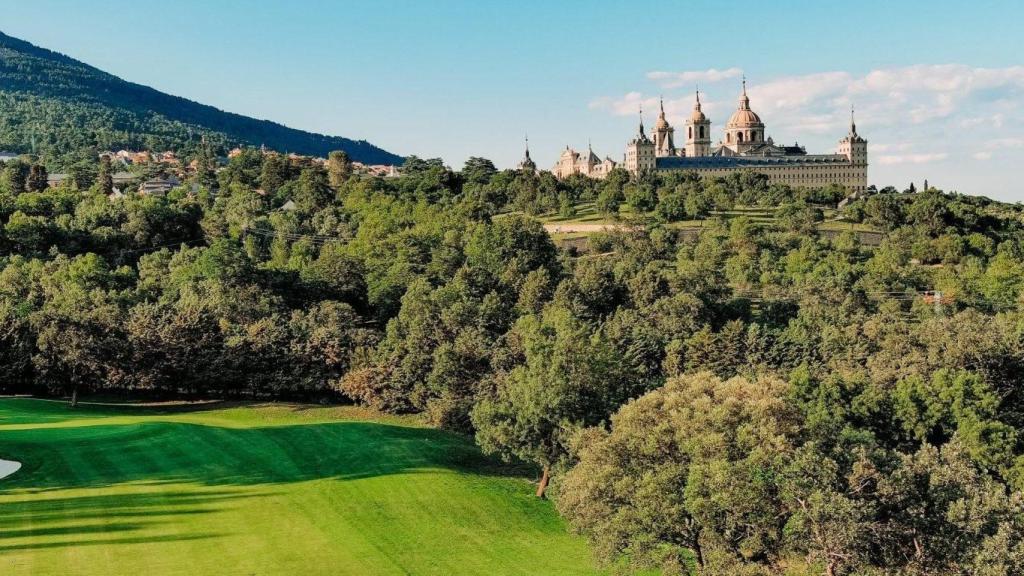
745 147
588 164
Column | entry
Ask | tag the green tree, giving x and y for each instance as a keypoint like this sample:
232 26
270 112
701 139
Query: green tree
37 179
313 192
478 170
685 478
15 176
339 168
609 200
105 179
83 174
274 172
571 378
641 197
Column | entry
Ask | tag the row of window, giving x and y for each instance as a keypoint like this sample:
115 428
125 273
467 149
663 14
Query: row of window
755 136
701 132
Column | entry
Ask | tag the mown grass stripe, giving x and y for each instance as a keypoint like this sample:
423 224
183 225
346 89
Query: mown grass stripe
268 490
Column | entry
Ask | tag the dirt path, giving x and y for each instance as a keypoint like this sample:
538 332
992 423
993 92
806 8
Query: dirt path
569 228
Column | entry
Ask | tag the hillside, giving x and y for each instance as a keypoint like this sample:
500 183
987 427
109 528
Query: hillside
57 106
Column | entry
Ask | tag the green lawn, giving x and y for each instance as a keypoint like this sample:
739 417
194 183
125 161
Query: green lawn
586 213
259 490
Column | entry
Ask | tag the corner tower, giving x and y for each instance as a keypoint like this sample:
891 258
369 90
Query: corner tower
698 132
640 151
855 148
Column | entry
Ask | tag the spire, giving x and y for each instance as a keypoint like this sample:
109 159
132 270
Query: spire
527 164
853 124
641 108
661 104
744 99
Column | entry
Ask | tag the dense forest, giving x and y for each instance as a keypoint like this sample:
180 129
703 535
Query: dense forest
754 399
57 107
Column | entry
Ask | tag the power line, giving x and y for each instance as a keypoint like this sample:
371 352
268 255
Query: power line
314 238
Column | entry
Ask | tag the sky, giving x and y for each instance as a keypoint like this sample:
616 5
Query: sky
938 86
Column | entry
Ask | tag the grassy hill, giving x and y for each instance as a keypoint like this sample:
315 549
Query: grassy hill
57 106
589 221
262 490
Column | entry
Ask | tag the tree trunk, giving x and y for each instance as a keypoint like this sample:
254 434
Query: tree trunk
545 477
698 554
74 397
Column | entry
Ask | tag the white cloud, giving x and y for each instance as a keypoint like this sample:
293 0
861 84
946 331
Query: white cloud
630 105
982 155
693 77
990 121
891 147
891 159
1003 143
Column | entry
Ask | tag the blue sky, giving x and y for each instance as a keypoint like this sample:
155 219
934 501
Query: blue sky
939 86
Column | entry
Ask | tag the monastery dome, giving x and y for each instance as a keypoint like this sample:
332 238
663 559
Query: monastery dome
745 118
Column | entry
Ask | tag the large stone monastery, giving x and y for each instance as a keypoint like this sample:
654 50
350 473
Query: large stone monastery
745 147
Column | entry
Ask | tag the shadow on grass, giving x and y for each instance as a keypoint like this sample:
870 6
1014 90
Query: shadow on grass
107 542
87 519
143 461
105 455
27 410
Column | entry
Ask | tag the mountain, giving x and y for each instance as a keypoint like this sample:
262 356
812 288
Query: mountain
60 108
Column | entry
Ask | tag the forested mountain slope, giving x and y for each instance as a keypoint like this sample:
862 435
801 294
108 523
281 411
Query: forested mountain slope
59 107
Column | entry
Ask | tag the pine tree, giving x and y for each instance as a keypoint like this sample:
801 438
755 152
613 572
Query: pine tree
15 175
105 180
339 168
206 167
38 179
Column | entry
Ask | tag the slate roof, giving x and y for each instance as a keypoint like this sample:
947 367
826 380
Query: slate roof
700 162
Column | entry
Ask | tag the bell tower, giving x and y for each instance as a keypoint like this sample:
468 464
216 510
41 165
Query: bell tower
664 135
698 132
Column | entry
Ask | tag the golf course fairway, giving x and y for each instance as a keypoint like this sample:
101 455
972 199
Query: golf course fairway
262 490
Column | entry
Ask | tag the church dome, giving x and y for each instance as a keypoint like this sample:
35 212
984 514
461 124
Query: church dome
744 117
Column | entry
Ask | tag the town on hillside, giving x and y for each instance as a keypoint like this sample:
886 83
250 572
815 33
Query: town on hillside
148 172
